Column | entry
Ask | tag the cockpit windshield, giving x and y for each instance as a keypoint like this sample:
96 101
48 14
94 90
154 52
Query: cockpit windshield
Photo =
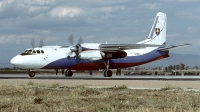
26 51
29 51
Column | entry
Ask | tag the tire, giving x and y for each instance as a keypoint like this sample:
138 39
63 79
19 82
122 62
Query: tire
104 73
108 73
68 73
31 74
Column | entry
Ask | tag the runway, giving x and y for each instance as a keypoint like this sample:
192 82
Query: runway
98 77
98 81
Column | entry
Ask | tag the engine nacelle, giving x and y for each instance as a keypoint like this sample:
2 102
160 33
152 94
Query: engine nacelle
91 55
113 55
97 55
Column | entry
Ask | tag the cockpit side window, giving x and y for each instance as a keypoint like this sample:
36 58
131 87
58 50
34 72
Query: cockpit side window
33 51
38 51
42 51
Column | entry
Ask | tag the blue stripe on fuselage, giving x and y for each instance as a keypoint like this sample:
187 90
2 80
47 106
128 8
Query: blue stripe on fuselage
65 63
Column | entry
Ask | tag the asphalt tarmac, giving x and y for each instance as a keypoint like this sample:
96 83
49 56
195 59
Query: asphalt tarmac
99 77
98 81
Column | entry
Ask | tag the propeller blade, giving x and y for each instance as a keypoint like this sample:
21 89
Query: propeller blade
41 43
80 41
71 39
33 43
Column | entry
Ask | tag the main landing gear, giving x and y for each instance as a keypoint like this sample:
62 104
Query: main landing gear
68 73
107 72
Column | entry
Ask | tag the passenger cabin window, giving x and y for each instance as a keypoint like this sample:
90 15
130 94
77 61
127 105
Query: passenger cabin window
42 51
38 51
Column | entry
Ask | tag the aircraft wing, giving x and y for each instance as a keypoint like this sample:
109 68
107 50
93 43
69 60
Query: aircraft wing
172 47
111 47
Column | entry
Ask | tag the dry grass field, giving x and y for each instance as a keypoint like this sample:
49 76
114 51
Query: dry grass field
33 97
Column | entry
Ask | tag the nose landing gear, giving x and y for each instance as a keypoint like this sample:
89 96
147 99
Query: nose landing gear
31 74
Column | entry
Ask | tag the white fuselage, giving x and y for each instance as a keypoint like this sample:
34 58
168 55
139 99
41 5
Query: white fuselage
90 54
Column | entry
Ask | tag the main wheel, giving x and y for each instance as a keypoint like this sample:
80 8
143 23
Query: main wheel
68 73
31 74
107 73
104 73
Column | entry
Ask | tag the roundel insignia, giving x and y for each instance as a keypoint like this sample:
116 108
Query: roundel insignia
157 31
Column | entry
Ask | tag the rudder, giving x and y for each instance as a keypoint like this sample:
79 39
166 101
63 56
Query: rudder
157 34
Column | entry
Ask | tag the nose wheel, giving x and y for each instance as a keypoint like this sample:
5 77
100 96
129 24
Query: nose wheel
31 74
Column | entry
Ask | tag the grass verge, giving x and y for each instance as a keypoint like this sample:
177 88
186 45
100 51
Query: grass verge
45 98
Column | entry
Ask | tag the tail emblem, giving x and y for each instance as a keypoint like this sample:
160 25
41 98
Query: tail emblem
157 31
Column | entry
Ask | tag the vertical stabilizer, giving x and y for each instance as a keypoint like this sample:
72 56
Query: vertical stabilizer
157 34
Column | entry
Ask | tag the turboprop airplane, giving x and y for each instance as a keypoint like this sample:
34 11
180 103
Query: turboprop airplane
95 56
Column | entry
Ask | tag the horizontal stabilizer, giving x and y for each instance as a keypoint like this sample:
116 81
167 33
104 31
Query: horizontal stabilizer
171 47
108 47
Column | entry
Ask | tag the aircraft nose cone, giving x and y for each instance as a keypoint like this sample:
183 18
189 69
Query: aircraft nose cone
17 60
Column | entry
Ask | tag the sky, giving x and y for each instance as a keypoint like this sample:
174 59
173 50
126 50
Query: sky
96 21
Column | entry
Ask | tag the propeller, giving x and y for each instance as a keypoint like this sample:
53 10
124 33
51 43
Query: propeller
71 39
75 48
33 43
41 43
80 40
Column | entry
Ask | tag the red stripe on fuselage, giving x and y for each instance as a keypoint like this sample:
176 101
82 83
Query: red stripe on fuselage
97 66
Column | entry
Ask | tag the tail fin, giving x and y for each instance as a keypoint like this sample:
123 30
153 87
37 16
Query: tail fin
157 34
